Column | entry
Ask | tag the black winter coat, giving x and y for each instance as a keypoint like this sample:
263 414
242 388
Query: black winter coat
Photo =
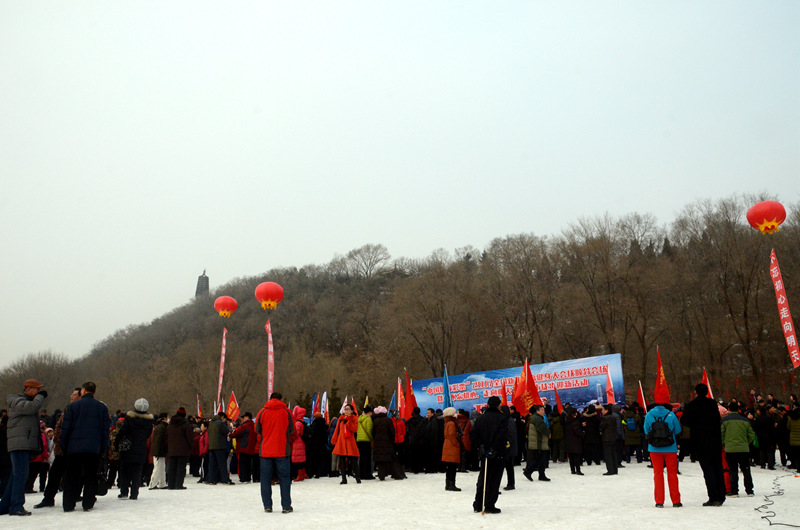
701 415
415 430
573 436
608 429
491 432
766 429
592 429
180 437
86 426
382 438
137 428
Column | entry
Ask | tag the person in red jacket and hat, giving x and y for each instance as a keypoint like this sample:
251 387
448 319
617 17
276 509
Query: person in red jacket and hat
275 425
246 446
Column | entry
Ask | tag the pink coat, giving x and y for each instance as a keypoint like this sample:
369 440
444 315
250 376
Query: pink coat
298 447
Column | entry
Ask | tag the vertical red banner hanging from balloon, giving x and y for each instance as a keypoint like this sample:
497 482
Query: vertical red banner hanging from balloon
270 360
221 364
783 310
199 410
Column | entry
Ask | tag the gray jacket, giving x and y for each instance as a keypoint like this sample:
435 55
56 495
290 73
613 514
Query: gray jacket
23 422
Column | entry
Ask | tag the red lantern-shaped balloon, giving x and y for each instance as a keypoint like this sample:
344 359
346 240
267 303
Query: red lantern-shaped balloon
269 294
226 306
766 216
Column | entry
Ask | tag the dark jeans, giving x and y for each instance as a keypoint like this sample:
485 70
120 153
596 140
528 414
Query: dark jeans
14 495
537 461
365 459
36 469
610 456
736 461
767 455
80 465
176 471
54 478
711 464
282 465
245 467
575 460
450 473
130 479
633 449
218 466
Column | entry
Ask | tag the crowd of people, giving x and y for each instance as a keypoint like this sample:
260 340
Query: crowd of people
84 451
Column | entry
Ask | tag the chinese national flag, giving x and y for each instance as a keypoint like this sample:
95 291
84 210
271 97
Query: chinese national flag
504 397
527 395
233 408
411 400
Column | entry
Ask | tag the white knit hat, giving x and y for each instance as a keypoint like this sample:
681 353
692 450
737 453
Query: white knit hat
141 405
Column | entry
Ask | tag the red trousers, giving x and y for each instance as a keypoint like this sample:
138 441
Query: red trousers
659 460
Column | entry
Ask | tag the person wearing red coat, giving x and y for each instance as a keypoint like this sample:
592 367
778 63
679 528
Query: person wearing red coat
451 449
344 444
246 447
399 444
275 425
298 445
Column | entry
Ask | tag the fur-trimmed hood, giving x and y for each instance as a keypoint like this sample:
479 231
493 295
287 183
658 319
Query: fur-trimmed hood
134 414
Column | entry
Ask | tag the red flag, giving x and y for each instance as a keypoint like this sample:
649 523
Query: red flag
221 364
662 389
353 404
233 408
199 410
504 397
559 406
705 382
640 398
527 394
411 400
783 310
270 360
609 388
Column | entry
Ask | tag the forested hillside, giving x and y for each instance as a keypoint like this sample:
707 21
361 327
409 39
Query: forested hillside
699 289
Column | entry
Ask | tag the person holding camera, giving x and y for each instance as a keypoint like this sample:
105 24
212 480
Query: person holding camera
490 433
23 438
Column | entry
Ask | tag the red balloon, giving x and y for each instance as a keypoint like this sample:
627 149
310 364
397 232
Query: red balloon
269 294
766 216
226 306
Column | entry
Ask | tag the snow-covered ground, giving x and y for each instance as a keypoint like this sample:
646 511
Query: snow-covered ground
568 501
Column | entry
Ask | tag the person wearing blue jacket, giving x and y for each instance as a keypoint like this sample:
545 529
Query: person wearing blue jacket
84 437
663 453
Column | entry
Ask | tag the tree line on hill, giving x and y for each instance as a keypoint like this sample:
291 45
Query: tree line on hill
698 288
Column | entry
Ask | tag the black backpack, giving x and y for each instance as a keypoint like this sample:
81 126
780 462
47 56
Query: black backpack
660 434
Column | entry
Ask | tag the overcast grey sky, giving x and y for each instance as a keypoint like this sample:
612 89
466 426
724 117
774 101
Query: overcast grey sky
142 142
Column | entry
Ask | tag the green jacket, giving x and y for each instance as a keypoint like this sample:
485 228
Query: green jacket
794 428
737 434
364 433
633 437
538 434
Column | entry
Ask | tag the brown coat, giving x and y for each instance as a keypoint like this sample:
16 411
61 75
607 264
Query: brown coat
451 450
344 440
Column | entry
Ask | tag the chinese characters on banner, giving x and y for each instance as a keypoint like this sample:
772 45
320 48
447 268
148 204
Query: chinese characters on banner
783 310
221 364
270 360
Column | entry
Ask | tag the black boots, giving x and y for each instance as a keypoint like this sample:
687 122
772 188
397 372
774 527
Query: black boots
450 485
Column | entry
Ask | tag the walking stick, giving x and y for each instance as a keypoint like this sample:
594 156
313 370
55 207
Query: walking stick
485 472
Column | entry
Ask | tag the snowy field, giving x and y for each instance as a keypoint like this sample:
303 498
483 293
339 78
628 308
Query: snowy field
591 501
